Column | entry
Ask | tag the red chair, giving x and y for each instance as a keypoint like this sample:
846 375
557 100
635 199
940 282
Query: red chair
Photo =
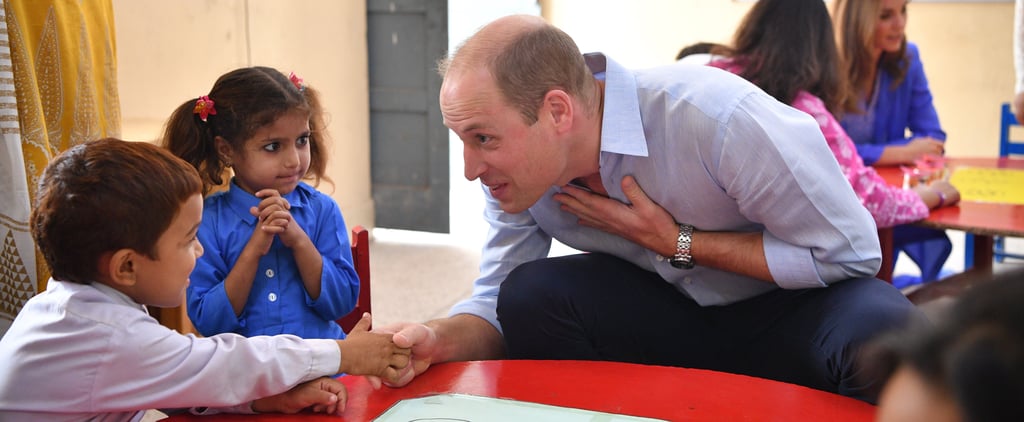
361 261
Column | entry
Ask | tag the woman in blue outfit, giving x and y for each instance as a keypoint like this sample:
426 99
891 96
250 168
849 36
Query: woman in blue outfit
278 259
889 81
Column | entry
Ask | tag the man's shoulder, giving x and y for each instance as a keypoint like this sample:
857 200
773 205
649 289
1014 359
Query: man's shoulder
712 92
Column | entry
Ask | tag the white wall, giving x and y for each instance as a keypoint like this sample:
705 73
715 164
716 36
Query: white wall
170 51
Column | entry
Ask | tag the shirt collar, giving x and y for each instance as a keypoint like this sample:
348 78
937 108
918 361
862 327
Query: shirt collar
116 295
622 130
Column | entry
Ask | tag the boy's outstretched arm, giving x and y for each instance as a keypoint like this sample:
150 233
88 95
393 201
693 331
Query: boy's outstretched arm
322 395
366 353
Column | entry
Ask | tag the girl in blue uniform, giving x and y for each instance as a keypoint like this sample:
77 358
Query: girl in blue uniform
278 259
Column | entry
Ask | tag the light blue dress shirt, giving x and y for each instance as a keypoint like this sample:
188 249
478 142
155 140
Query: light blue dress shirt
717 153
278 302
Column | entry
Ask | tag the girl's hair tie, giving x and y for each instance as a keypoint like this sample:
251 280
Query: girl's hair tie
204 108
297 81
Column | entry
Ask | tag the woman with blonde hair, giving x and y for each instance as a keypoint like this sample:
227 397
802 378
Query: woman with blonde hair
891 97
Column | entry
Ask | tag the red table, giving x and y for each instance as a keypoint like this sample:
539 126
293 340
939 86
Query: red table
640 390
984 220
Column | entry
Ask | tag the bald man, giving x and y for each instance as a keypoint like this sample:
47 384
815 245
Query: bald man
720 232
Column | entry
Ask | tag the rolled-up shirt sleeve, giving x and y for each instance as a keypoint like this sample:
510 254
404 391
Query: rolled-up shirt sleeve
776 163
512 240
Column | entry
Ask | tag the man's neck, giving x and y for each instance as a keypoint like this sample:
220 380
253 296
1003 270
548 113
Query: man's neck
592 182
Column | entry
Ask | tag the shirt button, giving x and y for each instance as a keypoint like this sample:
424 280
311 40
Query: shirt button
270 273
687 280
272 297
659 258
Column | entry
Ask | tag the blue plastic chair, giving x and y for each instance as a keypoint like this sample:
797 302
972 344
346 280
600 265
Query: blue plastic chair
1007 147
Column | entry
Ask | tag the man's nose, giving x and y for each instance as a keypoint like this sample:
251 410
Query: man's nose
474 166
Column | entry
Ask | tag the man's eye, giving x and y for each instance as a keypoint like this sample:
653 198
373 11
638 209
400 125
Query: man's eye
482 139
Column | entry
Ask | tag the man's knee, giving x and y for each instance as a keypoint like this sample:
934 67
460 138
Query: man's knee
867 309
881 305
526 281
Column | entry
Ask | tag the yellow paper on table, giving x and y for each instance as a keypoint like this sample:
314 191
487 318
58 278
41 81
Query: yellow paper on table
977 184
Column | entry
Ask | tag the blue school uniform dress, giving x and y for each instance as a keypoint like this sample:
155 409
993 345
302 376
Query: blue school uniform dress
278 302
889 114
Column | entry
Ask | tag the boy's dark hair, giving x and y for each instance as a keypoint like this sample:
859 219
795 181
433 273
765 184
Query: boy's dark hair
975 353
103 196
245 100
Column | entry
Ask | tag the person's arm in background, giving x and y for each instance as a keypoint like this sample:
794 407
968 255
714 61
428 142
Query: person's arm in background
926 134
1018 59
889 205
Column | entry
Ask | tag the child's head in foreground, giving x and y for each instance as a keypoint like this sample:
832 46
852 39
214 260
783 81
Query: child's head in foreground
968 367
121 213
245 123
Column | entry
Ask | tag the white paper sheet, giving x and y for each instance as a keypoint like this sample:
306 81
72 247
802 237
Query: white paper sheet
468 408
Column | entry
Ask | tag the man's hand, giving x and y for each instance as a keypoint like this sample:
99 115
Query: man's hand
420 339
322 395
641 220
375 354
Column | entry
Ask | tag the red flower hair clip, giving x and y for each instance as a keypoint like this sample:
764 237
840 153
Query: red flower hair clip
297 81
204 108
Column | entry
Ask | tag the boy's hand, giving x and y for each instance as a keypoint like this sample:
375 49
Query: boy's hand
366 353
322 395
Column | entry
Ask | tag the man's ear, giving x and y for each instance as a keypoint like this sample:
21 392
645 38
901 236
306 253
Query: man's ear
121 268
558 104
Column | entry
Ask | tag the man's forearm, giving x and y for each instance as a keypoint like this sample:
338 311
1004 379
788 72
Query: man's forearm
466 337
740 253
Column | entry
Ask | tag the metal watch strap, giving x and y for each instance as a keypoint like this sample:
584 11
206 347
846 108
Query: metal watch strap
683 259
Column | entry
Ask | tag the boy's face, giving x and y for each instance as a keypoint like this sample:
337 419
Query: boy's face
907 396
162 282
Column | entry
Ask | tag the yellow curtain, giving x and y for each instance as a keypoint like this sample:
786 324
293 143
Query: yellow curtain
61 57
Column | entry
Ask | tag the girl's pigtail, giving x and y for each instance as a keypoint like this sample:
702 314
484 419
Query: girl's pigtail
189 134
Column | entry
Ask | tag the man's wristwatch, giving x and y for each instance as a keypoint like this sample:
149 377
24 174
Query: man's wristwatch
682 259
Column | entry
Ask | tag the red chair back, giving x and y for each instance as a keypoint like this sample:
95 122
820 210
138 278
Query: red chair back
361 262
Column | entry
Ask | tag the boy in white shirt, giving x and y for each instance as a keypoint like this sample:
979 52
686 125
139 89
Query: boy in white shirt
116 223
